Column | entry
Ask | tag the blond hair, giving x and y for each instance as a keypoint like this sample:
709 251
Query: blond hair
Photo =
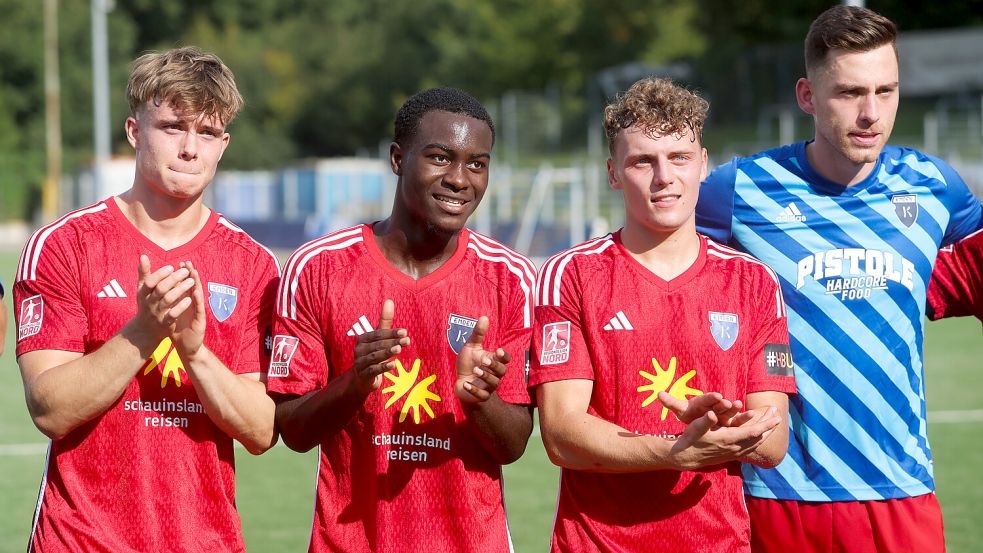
193 81
659 107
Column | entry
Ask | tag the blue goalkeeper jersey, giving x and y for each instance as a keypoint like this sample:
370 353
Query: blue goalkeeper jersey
854 265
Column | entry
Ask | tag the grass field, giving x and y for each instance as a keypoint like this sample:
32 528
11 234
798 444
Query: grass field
275 494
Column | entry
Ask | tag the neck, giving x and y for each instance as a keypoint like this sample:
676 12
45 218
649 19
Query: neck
832 165
667 254
414 247
167 222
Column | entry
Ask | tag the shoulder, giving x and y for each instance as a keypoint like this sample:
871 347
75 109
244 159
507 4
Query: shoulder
750 267
63 234
583 259
897 159
501 259
252 248
331 249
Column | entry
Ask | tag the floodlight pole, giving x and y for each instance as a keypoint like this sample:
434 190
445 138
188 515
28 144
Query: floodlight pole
100 88
52 112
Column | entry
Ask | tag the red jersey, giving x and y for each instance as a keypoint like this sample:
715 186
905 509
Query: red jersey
408 472
719 326
152 473
956 288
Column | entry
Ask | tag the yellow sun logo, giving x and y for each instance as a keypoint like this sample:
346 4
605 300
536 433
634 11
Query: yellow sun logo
663 380
172 364
417 393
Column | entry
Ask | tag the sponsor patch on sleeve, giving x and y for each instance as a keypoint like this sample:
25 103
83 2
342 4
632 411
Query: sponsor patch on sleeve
556 343
31 316
778 360
283 351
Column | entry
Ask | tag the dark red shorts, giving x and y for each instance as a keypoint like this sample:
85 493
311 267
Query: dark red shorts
908 524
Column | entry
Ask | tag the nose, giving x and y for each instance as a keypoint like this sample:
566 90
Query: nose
661 172
454 177
869 113
189 147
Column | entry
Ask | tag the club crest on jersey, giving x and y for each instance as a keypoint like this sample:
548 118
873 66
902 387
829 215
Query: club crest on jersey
906 208
556 343
222 299
31 316
724 329
459 329
283 351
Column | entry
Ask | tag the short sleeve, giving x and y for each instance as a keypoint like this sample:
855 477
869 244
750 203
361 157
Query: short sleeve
956 289
257 341
559 345
770 364
715 208
298 361
48 306
516 341
966 216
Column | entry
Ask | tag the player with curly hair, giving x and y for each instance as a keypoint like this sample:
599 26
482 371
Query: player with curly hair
651 319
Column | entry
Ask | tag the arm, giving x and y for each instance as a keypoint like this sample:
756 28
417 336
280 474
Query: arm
503 428
305 421
236 403
67 389
577 440
773 449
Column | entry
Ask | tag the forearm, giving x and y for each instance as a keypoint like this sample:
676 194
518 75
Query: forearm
74 391
307 420
772 450
237 404
503 428
581 441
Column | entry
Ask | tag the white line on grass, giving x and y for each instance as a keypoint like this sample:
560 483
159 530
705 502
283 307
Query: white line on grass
966 415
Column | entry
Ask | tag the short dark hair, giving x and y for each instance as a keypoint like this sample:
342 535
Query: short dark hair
447 99
848 28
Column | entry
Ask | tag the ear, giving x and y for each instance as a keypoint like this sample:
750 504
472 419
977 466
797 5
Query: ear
226 138
132 127
613 176
396 159
706 163
803 95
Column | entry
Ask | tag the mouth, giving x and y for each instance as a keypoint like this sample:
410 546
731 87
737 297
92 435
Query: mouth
865 138
451 204
665 200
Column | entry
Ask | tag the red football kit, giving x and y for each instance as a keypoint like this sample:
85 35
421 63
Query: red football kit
408 472
718 327
956 288
153 473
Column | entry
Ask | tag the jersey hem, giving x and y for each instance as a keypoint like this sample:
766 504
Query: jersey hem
838 494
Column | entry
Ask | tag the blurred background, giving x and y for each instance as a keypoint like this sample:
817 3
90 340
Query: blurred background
322 82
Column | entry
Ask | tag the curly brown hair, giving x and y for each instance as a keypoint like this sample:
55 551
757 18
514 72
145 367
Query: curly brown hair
195 82
659 107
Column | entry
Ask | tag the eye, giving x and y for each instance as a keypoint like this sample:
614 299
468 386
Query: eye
477 165
439 158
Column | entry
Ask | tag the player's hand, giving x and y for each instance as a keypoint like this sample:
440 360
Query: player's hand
162 296
689 410
478 371
705 443
374 351
189 327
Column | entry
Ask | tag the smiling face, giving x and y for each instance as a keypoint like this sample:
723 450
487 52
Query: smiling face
443 170
176 155
660 178
853 98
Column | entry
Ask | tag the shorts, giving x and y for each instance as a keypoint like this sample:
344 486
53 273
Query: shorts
905 524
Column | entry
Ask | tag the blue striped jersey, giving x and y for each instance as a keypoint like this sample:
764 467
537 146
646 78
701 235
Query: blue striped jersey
854 264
